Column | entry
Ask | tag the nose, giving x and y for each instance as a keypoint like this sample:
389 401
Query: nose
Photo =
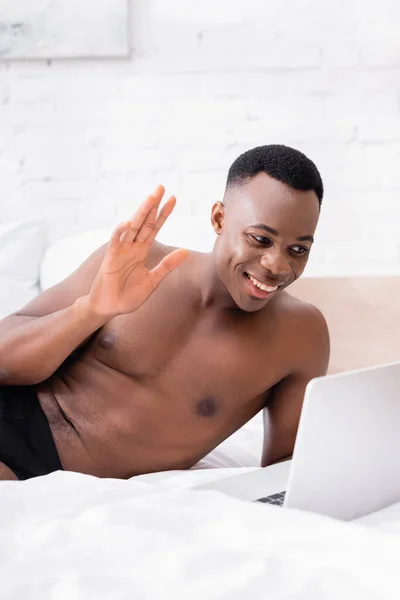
276 262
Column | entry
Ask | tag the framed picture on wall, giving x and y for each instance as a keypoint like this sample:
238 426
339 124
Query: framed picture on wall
51 29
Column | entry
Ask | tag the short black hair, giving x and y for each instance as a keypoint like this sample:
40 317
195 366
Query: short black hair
283 163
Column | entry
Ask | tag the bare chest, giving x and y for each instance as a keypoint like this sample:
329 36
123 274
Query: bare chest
177 351
166 384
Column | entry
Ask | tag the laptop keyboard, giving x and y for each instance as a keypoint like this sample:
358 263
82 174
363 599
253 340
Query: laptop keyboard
276 499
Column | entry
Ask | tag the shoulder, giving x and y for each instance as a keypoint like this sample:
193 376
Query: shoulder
305 328
157 252
303 314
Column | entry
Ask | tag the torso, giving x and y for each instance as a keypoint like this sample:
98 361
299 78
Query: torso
159 388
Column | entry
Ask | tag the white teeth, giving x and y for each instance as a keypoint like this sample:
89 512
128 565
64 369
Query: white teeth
262 286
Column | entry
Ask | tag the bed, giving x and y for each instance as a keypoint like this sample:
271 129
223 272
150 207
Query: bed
72 536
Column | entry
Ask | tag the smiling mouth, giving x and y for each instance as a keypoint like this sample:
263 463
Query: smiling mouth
259 289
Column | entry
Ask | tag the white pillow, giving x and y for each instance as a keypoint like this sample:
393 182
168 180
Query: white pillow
14 295
22 247
64 256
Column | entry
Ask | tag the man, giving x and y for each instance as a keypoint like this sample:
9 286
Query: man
147 357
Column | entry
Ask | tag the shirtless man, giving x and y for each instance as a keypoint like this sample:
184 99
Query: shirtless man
147 357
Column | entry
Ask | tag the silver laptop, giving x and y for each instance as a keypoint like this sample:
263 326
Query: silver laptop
346 461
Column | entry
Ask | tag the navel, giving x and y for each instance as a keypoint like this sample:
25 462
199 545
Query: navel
207 407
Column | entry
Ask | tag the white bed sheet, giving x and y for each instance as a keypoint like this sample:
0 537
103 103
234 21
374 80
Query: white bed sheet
71 537
242 449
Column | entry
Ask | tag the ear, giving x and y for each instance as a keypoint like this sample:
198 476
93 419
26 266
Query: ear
217 217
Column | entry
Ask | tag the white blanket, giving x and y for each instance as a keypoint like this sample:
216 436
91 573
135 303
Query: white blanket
74 537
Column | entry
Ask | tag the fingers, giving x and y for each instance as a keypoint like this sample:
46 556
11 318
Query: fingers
148 225
146 209
145 224
162 217
117 234
167 265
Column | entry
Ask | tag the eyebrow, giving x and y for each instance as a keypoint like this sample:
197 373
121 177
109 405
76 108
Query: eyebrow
302 238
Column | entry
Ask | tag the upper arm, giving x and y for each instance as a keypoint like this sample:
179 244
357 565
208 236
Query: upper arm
65 293
282 415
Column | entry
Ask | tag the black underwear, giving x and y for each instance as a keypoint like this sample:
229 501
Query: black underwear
26 442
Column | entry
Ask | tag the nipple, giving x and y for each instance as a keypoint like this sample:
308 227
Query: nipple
107 340
207 407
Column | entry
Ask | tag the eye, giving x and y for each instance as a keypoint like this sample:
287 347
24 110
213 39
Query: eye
299 250
260 239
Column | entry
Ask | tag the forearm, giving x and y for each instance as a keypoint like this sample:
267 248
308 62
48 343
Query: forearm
32 348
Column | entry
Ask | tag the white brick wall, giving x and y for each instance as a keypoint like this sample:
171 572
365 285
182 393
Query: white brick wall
83 141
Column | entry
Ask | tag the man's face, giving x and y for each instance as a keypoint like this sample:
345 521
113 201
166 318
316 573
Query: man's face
265 231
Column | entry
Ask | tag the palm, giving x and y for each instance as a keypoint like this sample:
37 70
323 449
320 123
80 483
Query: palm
123 282
124 272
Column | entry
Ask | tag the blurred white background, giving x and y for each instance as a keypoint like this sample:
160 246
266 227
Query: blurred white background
83 141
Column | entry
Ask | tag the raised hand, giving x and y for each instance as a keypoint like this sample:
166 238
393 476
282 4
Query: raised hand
123 283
